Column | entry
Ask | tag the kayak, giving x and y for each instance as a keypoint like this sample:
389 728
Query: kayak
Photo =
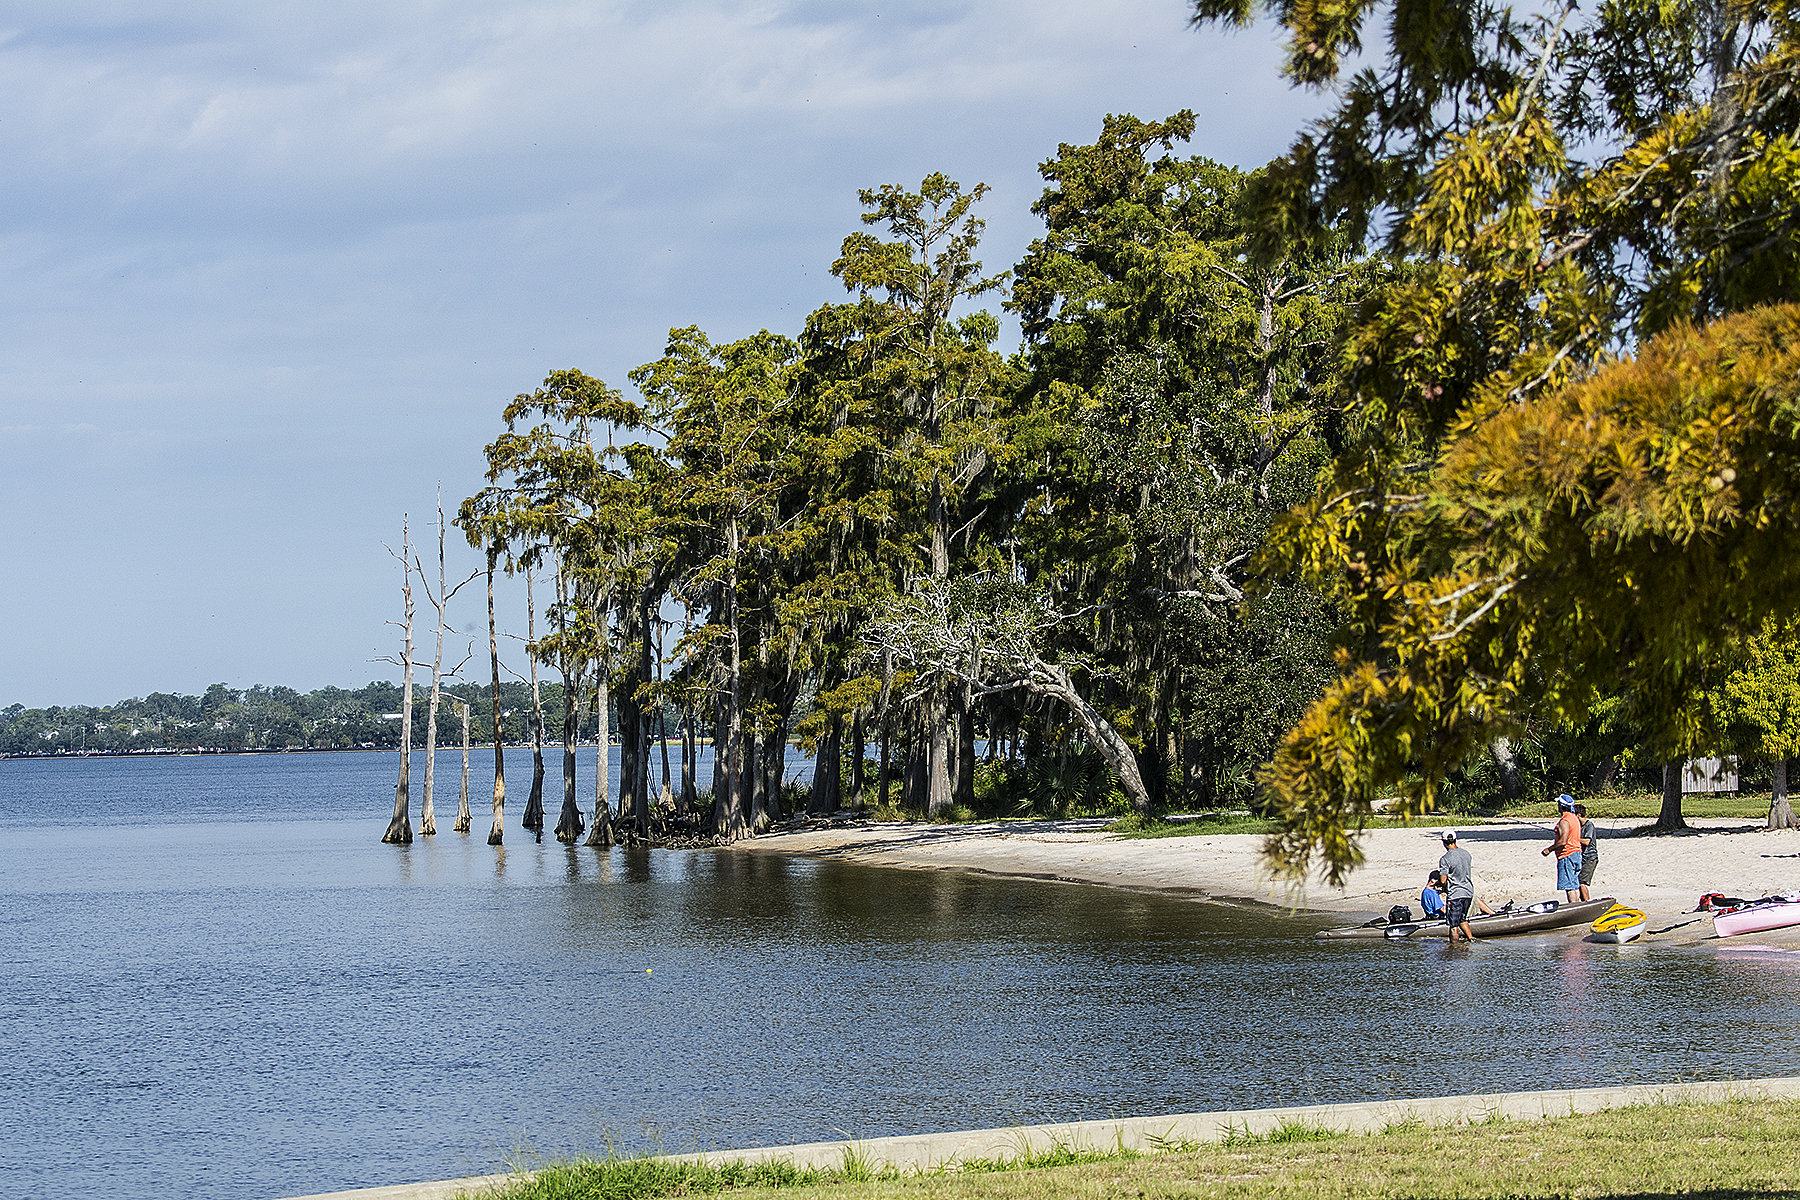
1619 926
1549 914
1755 918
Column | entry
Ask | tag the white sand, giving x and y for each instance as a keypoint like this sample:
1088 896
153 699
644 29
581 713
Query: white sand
1664 876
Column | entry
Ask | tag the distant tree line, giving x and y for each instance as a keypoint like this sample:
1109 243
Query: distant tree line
261 718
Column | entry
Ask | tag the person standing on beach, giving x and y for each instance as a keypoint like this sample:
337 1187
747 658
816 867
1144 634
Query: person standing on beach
1566 845
1590 851
1458 871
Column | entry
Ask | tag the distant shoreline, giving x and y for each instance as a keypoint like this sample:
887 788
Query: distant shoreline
475 747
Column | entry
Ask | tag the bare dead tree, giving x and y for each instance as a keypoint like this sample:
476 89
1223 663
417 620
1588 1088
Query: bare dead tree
399 830
463 817
439 600
497 834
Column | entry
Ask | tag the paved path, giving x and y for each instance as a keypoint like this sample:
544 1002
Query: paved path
926 1152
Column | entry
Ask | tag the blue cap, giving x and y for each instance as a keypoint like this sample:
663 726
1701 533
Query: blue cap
1565 801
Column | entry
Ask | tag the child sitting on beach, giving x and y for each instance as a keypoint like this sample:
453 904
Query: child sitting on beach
1432 898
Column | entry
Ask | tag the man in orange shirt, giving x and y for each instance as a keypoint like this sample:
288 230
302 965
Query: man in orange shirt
1567 848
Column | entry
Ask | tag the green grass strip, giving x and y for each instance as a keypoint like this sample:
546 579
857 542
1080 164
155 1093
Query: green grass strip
1727 1151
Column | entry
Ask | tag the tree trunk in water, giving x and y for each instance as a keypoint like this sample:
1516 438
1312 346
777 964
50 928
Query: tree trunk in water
719 760
662 739
569 825
600 833
690 752
630 750
463 817
534 803
1604 773
640 792
1506 761
1669 820
498 833
1781 814
399 830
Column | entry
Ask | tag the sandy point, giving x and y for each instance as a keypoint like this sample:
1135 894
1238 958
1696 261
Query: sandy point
1664 875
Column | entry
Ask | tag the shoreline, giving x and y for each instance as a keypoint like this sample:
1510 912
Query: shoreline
1665 876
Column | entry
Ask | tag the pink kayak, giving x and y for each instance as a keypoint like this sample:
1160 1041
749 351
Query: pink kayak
1755 918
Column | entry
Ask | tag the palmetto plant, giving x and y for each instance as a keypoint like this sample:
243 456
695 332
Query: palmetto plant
1058 784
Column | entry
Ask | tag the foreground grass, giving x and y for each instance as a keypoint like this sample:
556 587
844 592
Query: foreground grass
1735 1150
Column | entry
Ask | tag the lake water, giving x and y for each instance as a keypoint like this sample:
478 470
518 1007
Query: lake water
219 983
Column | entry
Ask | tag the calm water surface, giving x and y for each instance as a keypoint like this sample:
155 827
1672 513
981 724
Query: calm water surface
219 983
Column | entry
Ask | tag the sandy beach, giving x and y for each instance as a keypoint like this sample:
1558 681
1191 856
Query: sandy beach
1664 876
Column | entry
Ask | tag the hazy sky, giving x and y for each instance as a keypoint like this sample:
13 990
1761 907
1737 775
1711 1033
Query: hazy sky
271 270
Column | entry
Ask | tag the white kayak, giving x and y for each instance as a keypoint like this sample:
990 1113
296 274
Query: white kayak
1619 925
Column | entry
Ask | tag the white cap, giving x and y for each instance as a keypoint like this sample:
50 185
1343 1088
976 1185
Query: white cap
1449 835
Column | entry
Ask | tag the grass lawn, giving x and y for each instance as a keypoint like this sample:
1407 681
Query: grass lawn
1199 824
1741 1149
1647 805
1612 806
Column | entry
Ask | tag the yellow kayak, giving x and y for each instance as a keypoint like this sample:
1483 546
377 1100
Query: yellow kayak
1619 924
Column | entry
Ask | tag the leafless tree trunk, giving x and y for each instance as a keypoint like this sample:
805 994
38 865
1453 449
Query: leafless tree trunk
440 600
498 833
463 816
534 803
1781 813
399 830
1604 772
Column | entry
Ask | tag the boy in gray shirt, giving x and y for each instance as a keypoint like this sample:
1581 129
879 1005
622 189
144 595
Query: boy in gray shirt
1459 885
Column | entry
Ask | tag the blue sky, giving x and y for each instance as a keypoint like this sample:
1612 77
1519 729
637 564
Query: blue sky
270 270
